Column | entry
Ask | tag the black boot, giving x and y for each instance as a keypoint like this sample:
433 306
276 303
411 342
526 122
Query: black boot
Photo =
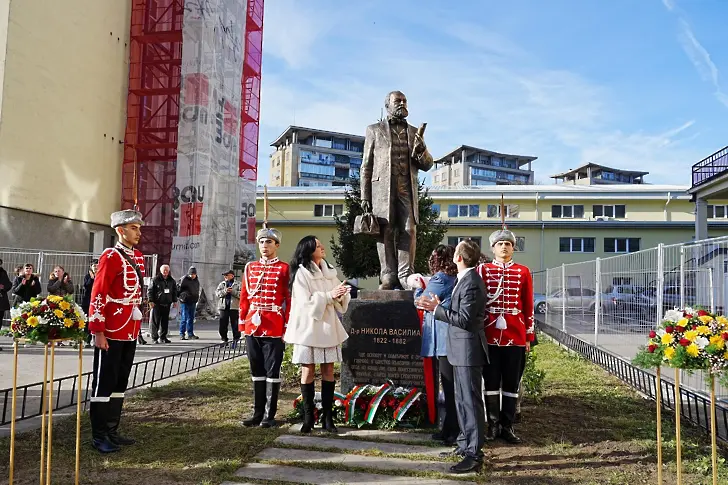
327 406
271 404
492 408
140 340
308 392
98 412
507 417
113 420
259 400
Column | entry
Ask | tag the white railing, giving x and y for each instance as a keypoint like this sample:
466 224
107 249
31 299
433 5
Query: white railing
614 302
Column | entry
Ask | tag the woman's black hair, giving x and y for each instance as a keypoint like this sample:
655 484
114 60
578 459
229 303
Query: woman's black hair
302 256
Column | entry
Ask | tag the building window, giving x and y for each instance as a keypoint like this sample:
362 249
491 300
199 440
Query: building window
621 244
339 143
328 210
356 146
323 141
495 211
436 209
454 240
616 211
463 210
520 243
717 211
576 244
567 211
457 172
437 178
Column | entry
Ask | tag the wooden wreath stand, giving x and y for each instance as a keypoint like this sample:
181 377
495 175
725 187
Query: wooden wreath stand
46 411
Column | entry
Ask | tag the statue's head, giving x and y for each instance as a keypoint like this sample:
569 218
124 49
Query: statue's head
396 104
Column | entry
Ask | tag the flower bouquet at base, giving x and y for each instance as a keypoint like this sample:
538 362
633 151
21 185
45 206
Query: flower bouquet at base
689 339
384 407
338 408
52 318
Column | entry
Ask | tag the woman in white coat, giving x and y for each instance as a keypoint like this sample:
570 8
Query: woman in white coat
314 328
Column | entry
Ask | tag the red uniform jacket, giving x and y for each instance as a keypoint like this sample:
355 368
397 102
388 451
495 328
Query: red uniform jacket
509 293
265 299
116 292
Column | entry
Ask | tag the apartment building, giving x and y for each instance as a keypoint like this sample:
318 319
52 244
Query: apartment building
594 174
308 157
471 166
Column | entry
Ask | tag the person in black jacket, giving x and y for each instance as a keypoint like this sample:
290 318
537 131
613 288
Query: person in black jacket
5 285
162 294
467 352
60 283
189 293
88 285
27 285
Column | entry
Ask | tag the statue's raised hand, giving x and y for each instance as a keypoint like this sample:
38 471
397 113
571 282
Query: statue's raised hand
366 206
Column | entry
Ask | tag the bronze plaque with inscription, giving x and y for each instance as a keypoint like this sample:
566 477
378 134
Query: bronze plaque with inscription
384 343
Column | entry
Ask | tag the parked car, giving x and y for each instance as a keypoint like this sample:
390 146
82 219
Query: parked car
577 299
539 303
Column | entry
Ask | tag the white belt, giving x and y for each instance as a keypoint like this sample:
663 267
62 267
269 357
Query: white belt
124 301
266 308
503 311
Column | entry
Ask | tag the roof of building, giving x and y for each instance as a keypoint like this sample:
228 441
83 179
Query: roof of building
596 165
445 159
288 131
555 191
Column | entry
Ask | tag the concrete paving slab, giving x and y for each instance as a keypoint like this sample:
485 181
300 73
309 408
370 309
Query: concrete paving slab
263 471
376 434
379 462
344 445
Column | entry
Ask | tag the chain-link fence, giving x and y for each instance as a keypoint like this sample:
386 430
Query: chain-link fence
614 302
76 265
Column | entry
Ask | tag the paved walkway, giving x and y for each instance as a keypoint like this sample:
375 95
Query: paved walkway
327 459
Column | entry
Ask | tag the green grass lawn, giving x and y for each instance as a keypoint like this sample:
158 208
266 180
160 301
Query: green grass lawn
588 428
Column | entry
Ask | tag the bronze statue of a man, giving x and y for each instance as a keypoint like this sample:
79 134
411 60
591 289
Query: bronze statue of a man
394 153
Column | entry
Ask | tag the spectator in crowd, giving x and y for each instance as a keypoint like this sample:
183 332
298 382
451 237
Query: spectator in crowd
26 285
434 335
88 284
5 286
60 283
162 294
228 302
189 294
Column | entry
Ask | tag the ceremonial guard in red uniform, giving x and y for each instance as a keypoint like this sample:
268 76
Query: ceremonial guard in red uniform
508 331
265 303
115 321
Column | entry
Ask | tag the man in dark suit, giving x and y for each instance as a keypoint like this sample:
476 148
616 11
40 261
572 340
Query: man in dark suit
467 351
394 153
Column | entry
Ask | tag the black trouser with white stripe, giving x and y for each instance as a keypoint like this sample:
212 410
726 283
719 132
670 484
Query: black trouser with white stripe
110 379
266 356
502 379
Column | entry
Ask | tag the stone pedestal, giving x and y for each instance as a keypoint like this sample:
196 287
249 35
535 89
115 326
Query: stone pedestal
384 341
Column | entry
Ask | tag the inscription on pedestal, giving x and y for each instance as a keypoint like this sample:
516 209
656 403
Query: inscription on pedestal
384 343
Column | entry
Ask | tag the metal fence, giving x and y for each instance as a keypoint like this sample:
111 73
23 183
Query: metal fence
612 303
76 266
694 406
143 374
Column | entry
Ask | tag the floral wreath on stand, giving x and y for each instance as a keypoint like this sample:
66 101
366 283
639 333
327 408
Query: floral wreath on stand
53 318
689 339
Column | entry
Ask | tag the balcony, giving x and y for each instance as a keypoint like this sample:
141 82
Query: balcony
710 168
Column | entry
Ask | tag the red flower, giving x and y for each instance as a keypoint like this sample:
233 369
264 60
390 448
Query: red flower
680 329
724 335
24 316
684 342
44 308
653 334
53 333
702 313
688 316
669 329
651 348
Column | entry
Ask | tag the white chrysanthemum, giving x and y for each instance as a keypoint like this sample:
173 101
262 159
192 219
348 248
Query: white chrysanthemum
673 315
319 405
43 321
702 342
690 310
15 312
660 332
